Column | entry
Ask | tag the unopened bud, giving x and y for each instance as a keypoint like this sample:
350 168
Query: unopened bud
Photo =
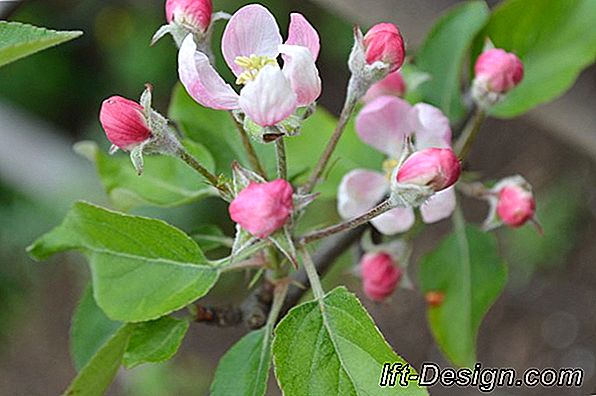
194 14
124 122
515 205
437 168
263 208
384 43
380 275
496 73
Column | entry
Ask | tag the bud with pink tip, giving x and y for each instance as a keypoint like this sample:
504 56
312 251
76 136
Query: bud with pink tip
380 275
496 73
515 205
195 14
384 43
263 208
124 122
392 85
436 168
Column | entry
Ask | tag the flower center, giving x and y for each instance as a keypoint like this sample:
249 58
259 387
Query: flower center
252 65
388 166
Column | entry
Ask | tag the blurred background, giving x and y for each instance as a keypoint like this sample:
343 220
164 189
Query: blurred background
545 318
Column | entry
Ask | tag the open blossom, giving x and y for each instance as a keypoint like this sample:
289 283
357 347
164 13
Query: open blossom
263 208
515 205
383 124
124 122
437 168
392 85
384 43
251 44
380 275
194 14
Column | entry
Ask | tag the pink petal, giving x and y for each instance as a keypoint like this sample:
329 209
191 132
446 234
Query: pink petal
431 127
359 191
394 221
268 99
300 69
439 206
252 30
384 123
302 33
201 80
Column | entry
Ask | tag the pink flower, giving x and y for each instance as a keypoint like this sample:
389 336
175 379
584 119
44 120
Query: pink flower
384 43
384 124
124 122
263 208
192 13
437 168
515 205
380 275
392 85
501 71
251 44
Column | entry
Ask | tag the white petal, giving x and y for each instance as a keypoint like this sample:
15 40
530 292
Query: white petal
394 221
359 191
252 30
439 206
201 80
268 99
302 33
431 127
300 69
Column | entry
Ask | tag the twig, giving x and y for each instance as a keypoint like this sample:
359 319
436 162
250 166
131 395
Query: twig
253 158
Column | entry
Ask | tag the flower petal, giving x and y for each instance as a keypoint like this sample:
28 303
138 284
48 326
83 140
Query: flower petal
268 99
302 33
431 127
359 191
252 30
300 69
201 80
439 206
394 221
384 123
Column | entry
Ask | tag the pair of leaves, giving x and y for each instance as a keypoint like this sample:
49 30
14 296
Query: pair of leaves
555 40
166 180
99 345
322 347
467 270
141 268
18 40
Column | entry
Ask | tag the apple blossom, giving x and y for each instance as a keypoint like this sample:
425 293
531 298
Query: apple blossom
496 73
196 14
124 122
437 168
380 275
251 44
384 43
511 203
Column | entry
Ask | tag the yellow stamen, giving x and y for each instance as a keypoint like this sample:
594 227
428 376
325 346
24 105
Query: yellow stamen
388 166
252 65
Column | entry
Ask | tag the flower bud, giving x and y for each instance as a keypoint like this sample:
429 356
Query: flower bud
195 14
380 275
392 85
124 122
263 208
384 43
501 71
437 168
515 205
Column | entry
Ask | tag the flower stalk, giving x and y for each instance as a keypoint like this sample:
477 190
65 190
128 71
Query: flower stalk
280 154
215 181
468 136
253 158
311 272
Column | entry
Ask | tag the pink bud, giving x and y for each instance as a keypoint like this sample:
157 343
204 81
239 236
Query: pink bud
392 85
195 13
383 42
123 121
437 168
263 208
500 69
380 275
515 206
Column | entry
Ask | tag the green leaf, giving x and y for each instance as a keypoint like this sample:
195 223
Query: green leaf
443 52
166 181
468 271
555 40
155 341
141 268
332 347
97 375
18 40
244 369
90 329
